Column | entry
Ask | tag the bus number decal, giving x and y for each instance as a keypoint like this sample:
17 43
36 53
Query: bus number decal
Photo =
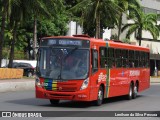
134 73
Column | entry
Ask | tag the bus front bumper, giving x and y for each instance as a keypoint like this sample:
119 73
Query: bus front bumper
81 95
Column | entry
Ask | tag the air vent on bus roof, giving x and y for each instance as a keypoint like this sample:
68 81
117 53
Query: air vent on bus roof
81 36
113 40
117 41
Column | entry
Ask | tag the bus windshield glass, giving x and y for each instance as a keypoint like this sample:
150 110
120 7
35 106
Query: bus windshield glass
63 63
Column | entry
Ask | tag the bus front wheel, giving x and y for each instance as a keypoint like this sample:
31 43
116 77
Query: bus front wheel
100 96
54 102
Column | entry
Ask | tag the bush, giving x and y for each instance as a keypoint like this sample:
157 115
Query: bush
126 40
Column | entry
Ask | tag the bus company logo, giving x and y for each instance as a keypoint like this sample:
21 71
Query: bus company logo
45 84
134 73
6 114
21 114
102 77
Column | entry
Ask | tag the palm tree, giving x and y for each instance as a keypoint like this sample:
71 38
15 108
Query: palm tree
142 22
40 9
96 10
128 6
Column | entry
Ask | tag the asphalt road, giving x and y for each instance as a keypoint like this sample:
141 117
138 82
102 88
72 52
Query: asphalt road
149 100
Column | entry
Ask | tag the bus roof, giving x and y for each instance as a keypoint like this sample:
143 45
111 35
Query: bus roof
101 42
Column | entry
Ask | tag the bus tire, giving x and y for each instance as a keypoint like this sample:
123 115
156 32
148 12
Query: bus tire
54 102
100 96
130 94
135 91
29 74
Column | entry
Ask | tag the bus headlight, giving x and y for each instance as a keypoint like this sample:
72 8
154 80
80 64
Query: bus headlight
85 84
37 81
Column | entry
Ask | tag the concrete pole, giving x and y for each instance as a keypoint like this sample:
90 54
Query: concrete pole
155 69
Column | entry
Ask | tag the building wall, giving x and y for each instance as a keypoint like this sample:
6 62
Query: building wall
155 4
74 28
107 34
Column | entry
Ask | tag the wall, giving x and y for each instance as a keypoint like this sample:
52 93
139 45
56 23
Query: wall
10 73
155 4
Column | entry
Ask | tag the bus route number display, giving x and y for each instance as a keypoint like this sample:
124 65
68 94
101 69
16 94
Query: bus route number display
49 42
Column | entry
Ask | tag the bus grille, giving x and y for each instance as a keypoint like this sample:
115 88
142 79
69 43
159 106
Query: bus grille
61 86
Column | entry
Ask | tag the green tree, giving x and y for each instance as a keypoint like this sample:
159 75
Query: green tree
94 11
46 27
55 26
43 8
25 9
142 22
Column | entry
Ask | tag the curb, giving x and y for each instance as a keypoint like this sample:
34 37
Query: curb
17 86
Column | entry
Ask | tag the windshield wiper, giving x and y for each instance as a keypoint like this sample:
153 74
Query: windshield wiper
71 52
54 53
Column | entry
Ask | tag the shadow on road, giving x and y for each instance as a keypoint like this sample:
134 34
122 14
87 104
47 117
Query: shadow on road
68 104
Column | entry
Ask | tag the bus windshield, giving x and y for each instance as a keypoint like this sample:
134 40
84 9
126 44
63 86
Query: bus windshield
63 63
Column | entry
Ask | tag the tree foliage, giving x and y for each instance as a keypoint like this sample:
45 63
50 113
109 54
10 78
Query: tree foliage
18 32
130 6
142 22
97 14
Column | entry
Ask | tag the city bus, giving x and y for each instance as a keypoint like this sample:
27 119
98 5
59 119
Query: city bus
81 68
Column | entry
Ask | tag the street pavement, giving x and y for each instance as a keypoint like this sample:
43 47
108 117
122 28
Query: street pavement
7 85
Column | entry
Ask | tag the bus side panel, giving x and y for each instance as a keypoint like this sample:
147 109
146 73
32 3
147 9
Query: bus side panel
96 80
144 79
119 82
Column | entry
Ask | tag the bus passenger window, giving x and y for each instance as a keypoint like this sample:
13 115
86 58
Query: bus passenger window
147 60
124 58
131 58
136 58
103 57
118 57
94 61
111 58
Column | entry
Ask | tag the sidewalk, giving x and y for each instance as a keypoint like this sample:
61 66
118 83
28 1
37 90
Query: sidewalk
17 84
155 79
29 84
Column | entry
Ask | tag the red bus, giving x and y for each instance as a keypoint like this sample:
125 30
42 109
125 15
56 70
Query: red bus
81 68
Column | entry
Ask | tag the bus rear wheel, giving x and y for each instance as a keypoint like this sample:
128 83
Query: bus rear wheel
54 102
100 96
135 91
130 94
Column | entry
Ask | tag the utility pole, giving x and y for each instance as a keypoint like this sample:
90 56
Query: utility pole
35 39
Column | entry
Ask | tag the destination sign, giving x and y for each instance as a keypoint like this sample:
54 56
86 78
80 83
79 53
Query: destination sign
65 42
